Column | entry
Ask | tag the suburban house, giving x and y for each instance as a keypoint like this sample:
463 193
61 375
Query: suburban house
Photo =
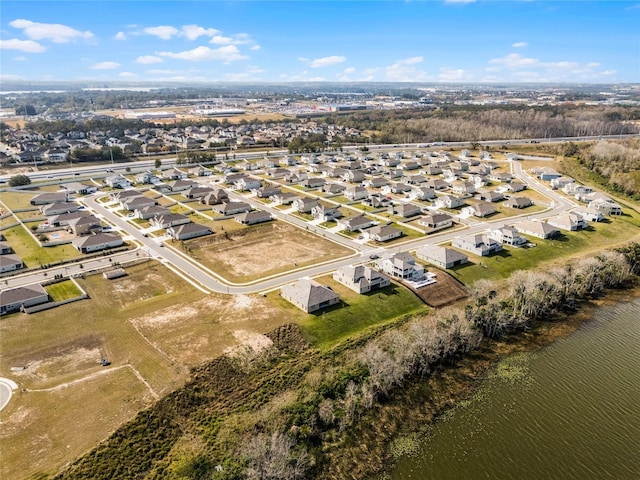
333 188
136 203
433 169
188 230
502 177
561 182
200 171
606 206
79 188
50 197
326 214
361 279
247 183
356 193
441 256
309 296
449 201
313 182
305 204
546 173
278 172
196 192
401 265
181 185
463 188
397 188
507 236
10 262
215 197
97 242
117 181
518 202
14 299
570 221
537 229
405 210
145 213
376 182
492 196
169 220
376 200
231 208
355 224
147 177
382 233
478 244
590 214
481 210
266 191
436 221
174 174
422 193
254 217
353 176
59 208
84 225
284 198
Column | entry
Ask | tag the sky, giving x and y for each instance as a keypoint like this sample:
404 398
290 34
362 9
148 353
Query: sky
465 41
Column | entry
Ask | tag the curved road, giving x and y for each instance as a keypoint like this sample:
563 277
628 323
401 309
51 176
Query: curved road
208 281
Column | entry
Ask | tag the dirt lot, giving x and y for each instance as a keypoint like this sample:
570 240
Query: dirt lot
445 291
263 250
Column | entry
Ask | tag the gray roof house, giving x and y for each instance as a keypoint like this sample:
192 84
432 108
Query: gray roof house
14 299
49 197
401 265
436 221
253 217
10 262
355 224
356 193
441 256
405 210
305 204
97 242
169 220
478 244
214 197
518 202
188 230
570 221
361 279
146 213
537 229
231 208
382 233
59 208
481 210
309 295
507 236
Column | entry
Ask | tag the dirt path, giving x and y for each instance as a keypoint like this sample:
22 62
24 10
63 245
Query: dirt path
95 375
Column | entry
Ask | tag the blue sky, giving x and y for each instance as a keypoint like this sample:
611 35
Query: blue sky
264 41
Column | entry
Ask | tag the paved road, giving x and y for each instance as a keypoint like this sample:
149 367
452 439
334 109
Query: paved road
207 280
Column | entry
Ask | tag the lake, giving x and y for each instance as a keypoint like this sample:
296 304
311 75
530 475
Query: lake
568 411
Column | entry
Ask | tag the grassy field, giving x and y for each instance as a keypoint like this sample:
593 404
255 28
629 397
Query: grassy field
240 257
34 255
355 314
18 200
63 291
597 238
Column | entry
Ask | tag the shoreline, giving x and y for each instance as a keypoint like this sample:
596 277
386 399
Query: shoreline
417 405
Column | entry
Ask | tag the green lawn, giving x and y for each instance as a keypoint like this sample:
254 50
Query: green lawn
63 291
600 237
33 254
356 313
18 200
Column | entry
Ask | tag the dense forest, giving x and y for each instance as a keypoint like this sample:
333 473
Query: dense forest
468 123
294 412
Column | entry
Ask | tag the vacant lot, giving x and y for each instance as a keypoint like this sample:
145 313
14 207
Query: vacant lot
262 250
151 326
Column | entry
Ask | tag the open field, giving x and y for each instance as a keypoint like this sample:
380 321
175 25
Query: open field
241 257
151 326
355 314
595 239
18 200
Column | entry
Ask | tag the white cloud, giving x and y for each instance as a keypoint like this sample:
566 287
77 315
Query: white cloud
228 53
459 1
514 60
10 78
405 71
28 46
255 48
252 73
349 70
237 39
148 59
192 32
52 31
120 36
520 45
164 32
105 66
326 61
451 75
128 75
19 59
